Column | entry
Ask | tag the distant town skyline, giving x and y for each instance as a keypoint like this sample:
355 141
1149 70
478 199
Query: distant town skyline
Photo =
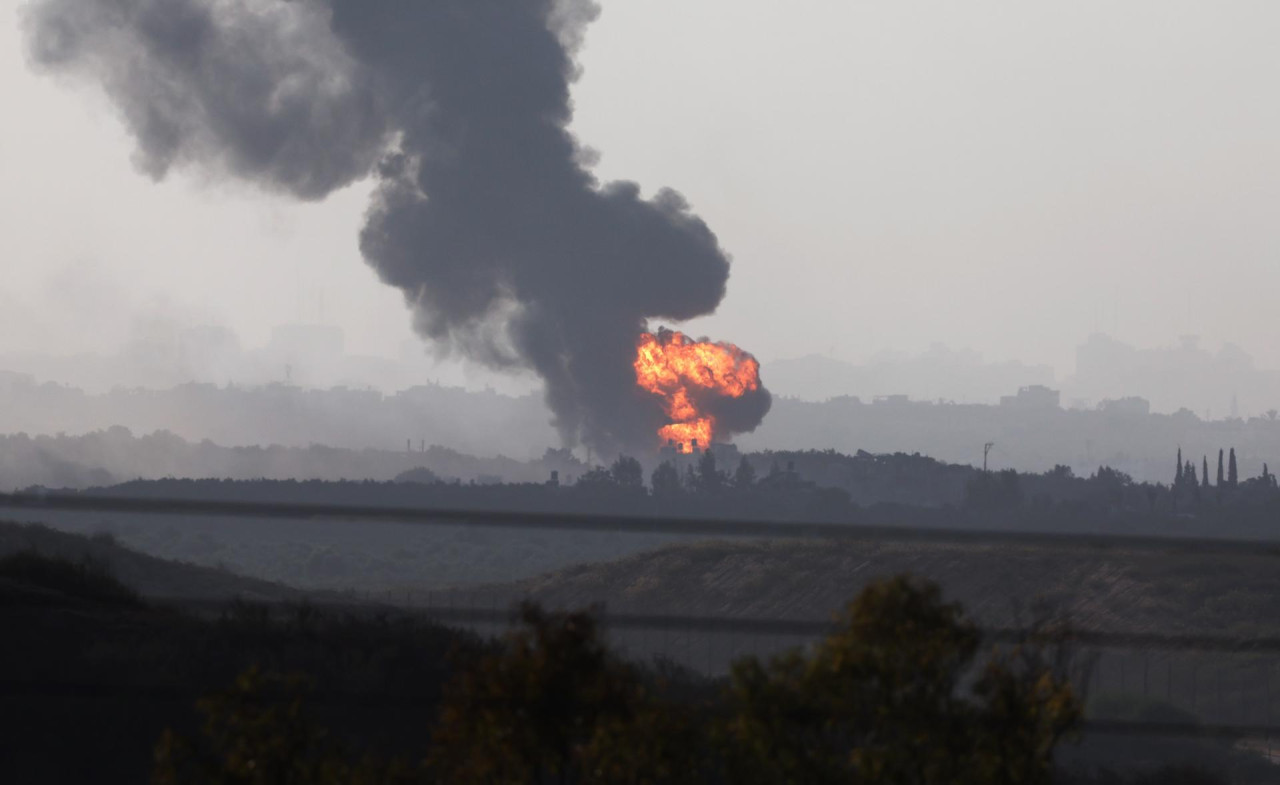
1214 382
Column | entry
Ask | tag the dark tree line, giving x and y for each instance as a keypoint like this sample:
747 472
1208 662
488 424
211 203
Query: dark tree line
1185 482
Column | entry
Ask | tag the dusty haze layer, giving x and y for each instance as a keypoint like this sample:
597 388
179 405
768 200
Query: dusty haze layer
504 246
1007 179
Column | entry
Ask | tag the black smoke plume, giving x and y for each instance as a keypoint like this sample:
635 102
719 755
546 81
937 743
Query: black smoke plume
485 214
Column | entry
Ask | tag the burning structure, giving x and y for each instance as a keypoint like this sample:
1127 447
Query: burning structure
706 389
485 213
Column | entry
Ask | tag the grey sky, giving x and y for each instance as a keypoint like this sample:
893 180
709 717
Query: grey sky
1001 176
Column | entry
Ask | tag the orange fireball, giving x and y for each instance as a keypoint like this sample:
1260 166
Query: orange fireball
680 371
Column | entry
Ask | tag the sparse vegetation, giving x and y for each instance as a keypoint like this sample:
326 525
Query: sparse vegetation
377 679
880 700
87 580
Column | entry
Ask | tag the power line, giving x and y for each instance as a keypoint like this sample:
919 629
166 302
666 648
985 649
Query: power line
628 524
493 614
172 693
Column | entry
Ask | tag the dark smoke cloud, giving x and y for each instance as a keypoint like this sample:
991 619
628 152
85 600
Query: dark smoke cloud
485 216
262 91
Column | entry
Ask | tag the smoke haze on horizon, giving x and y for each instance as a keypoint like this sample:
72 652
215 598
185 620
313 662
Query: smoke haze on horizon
506 249
1004 179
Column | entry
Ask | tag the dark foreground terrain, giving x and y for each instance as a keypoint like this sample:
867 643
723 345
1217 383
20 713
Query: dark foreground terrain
93 673
94 666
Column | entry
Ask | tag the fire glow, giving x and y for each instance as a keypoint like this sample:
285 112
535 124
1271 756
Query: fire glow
683 372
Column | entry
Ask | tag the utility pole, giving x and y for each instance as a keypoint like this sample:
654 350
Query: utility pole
986 448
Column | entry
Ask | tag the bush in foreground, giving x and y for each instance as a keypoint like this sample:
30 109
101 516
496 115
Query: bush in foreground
895 694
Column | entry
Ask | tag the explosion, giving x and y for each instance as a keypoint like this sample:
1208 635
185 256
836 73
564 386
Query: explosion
690 376
485 211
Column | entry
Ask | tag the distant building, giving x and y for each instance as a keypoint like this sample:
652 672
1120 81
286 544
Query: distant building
891 400
1131 406
1184 374
1036 396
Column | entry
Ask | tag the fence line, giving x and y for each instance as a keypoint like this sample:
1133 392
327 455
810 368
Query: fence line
1183 671
632 524
495 613
168 693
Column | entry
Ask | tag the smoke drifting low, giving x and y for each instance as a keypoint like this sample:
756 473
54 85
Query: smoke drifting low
485 216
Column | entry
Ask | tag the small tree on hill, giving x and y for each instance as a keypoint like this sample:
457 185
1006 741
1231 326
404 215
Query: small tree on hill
710 478
1233 475
554 705
993 490
627 472
745 475
665 480
599 477
882 700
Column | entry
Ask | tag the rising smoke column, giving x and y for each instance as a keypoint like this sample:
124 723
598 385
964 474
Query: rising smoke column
485 216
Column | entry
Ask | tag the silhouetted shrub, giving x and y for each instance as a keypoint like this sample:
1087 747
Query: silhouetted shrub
86 580
881 700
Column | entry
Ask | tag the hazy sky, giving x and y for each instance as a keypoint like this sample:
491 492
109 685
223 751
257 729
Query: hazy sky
1000 176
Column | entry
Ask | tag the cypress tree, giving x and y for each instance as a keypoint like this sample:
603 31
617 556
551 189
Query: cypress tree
1189 474
1233 477
1177 478
1204 471
1221 477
